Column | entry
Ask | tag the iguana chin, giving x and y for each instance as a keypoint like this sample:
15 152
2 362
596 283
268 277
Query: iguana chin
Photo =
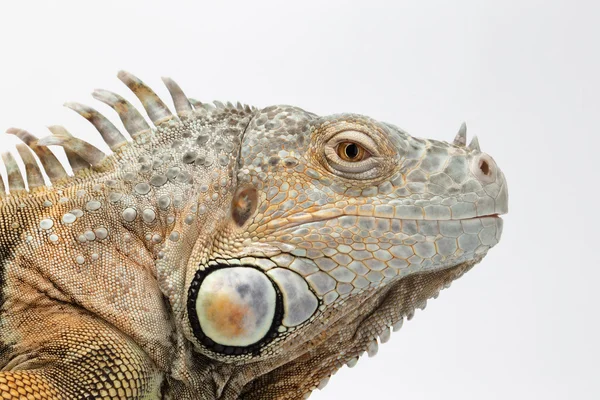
227 251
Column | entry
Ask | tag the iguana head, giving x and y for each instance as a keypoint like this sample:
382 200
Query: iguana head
339 228
252 253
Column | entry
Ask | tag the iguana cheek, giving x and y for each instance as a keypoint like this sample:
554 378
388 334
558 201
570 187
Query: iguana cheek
236 306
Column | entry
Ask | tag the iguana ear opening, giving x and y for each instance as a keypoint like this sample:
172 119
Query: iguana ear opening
244 204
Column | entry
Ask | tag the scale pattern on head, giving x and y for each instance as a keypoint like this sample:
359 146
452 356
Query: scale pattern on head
350 217
354 209
248 253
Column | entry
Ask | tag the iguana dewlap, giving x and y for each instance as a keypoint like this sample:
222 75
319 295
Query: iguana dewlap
226 251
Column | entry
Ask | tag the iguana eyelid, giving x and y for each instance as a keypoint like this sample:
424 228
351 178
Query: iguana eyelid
357 137
347 169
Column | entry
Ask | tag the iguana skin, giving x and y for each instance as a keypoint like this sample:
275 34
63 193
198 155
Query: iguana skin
101 271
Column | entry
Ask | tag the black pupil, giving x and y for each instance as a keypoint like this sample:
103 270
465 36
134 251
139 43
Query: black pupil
351 150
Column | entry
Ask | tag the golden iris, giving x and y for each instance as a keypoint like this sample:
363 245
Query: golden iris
351 152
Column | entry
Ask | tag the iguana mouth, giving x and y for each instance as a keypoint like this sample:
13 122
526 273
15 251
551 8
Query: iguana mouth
303 218
478 217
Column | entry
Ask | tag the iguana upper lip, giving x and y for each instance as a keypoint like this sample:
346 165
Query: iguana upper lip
298 219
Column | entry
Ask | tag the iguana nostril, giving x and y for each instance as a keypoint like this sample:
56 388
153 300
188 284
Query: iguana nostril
485 167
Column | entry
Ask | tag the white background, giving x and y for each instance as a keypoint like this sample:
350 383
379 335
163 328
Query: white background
523 74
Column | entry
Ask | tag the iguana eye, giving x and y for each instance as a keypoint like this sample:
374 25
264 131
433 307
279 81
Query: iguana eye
352 152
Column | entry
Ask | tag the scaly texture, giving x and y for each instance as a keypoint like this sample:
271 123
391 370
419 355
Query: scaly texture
226 251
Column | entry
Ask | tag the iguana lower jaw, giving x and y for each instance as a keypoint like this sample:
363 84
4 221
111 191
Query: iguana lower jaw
376 313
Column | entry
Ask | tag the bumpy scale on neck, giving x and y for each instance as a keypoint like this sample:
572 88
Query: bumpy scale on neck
91 241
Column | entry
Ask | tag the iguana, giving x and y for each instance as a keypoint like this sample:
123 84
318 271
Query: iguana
226 251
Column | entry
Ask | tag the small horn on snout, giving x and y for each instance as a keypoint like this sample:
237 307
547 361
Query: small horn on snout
461 137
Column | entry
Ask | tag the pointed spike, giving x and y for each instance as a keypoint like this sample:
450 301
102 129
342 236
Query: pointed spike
26 137
385 335
50 163
372 348
208 107
77 163
239 106
35 179
398 325
111 135
196 103
156 109
182 103
323 383
218 104
352 362
83 149
15 179
2 188
133 121
474 145
198 106
461 137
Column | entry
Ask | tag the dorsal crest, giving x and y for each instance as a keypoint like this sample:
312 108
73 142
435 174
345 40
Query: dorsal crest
167 130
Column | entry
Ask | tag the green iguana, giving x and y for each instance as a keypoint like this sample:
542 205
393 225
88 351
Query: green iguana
226 251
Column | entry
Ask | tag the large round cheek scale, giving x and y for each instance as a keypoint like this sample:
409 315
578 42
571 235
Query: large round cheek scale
236 306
